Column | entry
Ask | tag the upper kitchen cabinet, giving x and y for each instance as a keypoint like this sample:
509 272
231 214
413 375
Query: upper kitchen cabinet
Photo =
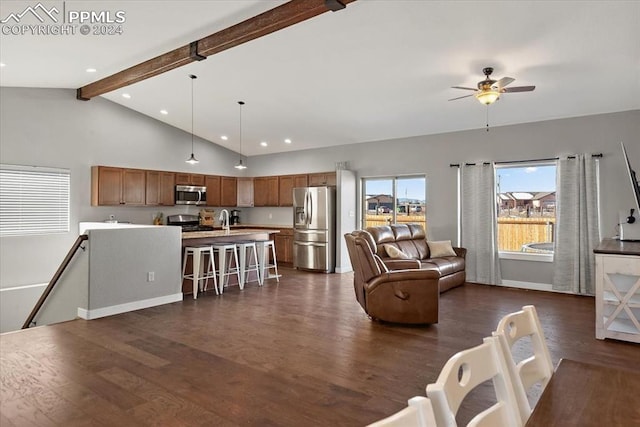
160 188
117 186
212 182
245 192
190 179
265 191
322 179
228 191
286 185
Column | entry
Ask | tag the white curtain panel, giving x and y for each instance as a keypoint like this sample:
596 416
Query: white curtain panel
577 224
479 223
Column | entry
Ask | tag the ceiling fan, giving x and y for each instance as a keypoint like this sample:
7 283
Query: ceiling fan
489 90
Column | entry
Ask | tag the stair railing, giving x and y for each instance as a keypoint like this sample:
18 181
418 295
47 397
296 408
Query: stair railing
65 262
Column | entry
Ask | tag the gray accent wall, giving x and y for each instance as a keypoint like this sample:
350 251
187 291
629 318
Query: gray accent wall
49 127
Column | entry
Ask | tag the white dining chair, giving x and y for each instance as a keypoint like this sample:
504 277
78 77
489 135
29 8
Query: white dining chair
463 372
419 413
537 367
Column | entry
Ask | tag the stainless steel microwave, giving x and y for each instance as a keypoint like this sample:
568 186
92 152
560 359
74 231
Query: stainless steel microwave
191 195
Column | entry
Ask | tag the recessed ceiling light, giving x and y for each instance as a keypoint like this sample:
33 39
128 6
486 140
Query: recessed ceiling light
2 64
91 70
287 141
126 95
224 137
264 144
165 112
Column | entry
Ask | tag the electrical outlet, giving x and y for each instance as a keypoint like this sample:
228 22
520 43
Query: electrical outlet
151 276
270 216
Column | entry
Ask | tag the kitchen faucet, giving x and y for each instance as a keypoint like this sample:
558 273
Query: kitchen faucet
224 214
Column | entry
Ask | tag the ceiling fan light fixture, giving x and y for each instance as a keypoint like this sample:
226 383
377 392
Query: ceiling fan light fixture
488 97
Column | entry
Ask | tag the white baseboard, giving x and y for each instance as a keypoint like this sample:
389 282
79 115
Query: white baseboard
527 285
130 306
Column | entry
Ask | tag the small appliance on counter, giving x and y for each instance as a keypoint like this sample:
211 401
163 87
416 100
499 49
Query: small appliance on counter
188 222
234 219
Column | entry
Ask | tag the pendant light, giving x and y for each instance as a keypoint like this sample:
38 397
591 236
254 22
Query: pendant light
192 160
240 165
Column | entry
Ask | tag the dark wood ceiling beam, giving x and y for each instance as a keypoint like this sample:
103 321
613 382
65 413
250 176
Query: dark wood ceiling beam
283 16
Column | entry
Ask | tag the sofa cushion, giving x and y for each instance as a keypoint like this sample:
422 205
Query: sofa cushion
395 253
445 265
441 248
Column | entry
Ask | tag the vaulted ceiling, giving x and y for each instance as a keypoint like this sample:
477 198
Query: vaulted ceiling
378 69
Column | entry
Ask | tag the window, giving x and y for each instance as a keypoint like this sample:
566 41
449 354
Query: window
33 200
394 200
526 197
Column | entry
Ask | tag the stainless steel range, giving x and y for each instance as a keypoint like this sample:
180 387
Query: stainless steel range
188 222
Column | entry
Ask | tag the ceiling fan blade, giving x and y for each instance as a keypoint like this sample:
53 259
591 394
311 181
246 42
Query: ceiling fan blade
518 89
462 87
460 97
503 82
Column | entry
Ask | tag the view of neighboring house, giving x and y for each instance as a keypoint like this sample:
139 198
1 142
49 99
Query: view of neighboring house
527 204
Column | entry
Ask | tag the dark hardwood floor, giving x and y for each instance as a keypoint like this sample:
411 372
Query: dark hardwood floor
297 353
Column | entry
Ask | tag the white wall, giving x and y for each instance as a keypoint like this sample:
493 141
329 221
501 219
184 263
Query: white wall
49 127
431 155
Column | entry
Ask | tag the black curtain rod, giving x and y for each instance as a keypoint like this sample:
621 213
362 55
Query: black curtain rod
457 165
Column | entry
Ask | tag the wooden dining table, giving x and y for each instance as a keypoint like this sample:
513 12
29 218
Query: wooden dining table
583 394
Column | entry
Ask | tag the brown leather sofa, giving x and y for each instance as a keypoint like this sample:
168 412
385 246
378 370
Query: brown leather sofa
411 239
402 296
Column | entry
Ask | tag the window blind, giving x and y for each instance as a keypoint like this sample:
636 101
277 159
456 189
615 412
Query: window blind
33 200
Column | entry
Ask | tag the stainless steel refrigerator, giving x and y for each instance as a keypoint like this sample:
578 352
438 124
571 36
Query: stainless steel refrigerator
314 228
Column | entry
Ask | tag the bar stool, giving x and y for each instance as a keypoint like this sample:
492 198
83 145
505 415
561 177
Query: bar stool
224 271
263 246
247 249
197 271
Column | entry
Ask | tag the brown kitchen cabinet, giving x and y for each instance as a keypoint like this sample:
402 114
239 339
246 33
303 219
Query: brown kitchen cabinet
228 191
190 179
212 182
245 192
286 185
117 186
265 191
321 179
160 188
284 246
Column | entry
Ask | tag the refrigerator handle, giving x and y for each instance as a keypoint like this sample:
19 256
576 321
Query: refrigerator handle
310 216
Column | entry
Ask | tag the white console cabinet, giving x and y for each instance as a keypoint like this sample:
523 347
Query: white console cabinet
618 290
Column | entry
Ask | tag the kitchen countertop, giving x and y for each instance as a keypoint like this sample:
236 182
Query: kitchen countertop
233 232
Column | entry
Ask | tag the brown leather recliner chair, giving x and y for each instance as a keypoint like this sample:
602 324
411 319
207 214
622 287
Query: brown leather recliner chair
401 296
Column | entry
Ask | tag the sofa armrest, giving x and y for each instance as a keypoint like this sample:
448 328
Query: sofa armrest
461 252
396 276
401 264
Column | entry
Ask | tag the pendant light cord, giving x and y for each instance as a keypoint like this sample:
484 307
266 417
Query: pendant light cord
193 77
241 103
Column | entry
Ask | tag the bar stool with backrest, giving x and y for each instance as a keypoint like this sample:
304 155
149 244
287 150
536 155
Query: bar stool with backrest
264 247
464 372
227 252
247 253
197 253
536 367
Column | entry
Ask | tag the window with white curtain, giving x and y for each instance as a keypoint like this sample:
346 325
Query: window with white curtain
33 200
526 197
